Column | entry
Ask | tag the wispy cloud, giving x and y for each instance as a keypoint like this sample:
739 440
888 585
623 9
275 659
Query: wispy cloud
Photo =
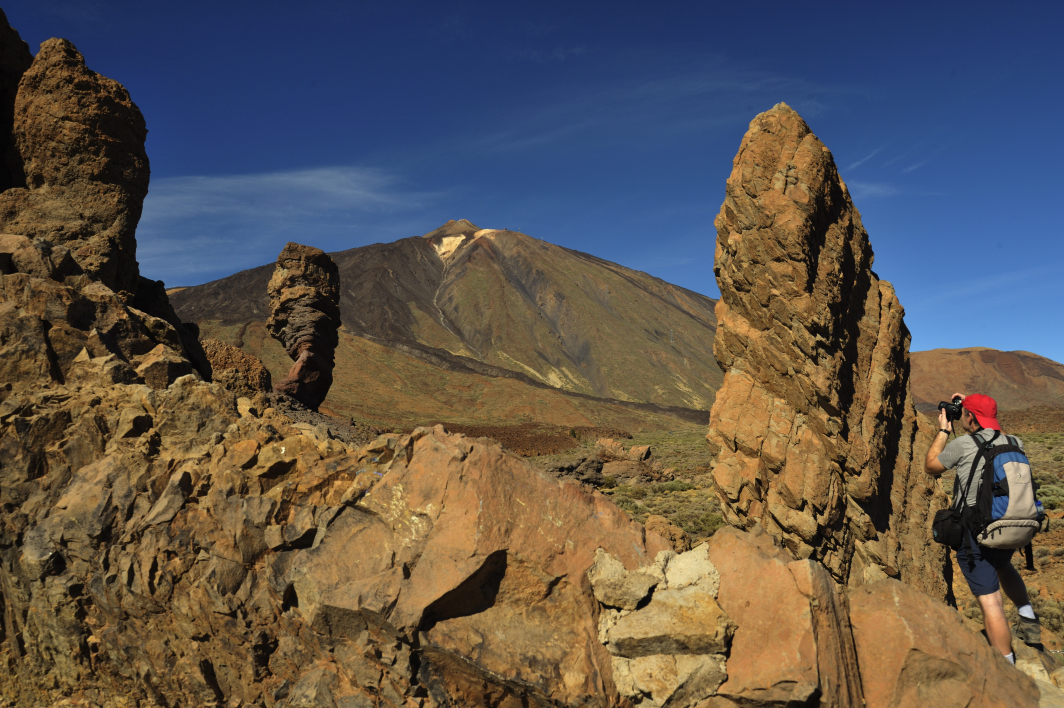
201 227
871 189
666 96
864 159
914 166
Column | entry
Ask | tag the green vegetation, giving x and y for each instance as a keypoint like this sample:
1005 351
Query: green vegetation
687 501
1048 467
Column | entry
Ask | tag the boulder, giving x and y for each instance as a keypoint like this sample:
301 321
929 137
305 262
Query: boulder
815 430
676 536
667 635
304 317
242 373
914 651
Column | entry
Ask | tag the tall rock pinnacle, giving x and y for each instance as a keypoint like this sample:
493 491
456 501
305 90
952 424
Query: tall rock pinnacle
304 316
78 173
817 435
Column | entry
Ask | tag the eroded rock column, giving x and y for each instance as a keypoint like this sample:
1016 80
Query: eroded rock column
817 436
304 317
82 172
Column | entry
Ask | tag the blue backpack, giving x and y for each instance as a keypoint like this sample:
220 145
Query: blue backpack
1007 513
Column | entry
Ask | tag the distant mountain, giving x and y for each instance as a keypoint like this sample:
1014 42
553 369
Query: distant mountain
502 303
1017 380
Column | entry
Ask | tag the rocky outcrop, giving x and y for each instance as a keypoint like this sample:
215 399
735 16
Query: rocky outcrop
82 172
817 437
159 545
304 317
55 319
738 622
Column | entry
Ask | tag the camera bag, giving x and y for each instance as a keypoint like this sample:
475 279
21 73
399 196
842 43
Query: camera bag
948 528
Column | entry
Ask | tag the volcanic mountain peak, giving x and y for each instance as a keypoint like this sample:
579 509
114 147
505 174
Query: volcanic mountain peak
453 235
507 303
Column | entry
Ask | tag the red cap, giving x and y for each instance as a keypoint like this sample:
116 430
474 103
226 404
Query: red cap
984 408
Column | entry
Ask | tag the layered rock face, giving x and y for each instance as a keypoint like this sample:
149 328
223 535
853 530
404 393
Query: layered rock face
815 424
81 172
304 317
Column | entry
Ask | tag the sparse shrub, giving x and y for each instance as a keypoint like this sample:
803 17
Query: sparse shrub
1041 552
1058 458
1058 552
625 490
676 485
698 525
609 482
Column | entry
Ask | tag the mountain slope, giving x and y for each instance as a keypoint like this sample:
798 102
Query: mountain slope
505 304
1017 380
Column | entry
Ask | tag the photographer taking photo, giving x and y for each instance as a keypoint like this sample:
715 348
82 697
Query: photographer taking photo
987 570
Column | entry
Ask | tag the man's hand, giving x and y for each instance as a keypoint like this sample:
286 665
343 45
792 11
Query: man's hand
931 463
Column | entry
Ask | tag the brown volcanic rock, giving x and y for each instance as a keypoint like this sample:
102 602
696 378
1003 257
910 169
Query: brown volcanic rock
914 651
240 372
304 316
1016 380
817 435
81 144
139 524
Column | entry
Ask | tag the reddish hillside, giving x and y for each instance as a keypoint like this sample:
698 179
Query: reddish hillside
1018 380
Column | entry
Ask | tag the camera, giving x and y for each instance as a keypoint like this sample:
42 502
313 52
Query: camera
952 408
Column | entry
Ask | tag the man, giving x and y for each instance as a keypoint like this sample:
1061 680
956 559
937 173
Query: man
988 570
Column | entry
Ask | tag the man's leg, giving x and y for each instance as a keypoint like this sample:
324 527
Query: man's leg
1012 585
997 627
1028 628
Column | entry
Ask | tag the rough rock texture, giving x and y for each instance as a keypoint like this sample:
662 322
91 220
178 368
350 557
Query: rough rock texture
159 546
54 319
676 536
242 373
84 172
816 434
304 317
737 622
670 649
914 651
793 643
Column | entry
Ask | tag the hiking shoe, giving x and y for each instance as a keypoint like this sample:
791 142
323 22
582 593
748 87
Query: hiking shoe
1028 631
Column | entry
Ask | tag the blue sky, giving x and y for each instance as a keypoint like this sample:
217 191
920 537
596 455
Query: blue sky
604 127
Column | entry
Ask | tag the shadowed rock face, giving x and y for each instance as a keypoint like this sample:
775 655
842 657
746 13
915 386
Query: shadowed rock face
82 171
817 434
15 58
304 316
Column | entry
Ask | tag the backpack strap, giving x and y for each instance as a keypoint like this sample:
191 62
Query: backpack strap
982 445
966 513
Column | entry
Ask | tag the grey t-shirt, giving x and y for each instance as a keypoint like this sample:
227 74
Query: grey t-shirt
960 453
